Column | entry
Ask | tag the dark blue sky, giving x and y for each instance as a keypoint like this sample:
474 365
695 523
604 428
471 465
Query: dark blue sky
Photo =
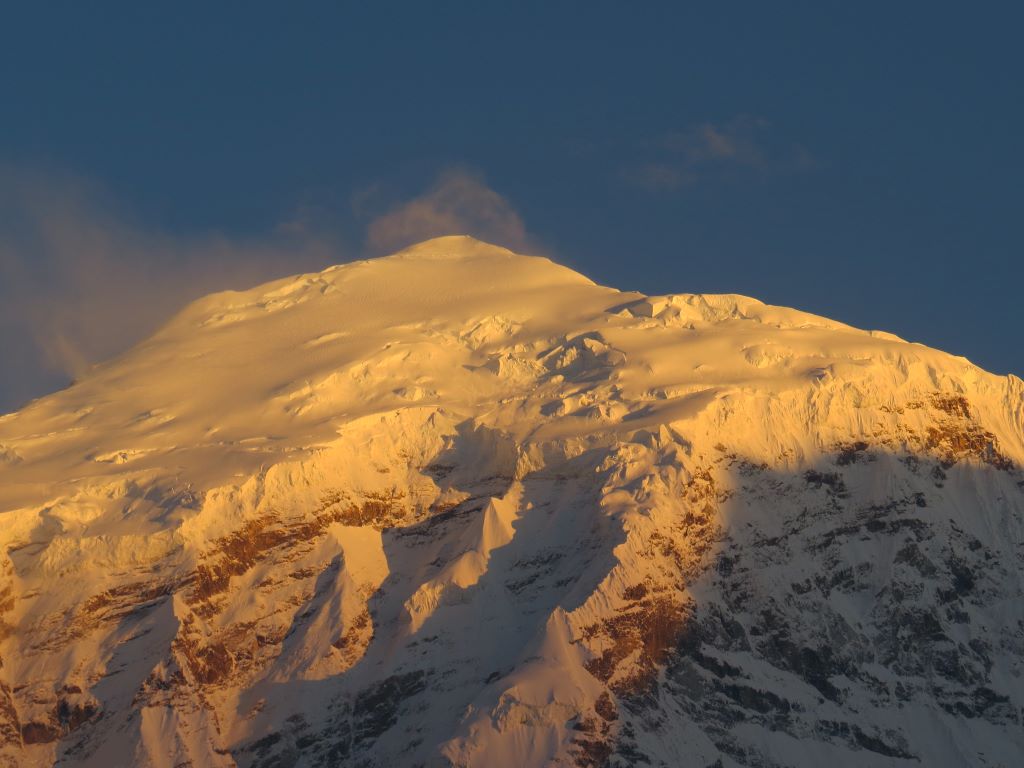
859 160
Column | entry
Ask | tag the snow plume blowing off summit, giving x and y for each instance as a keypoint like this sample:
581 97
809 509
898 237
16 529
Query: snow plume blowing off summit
462 507
81 281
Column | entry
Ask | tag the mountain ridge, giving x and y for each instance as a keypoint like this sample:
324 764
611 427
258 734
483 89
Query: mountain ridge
458 506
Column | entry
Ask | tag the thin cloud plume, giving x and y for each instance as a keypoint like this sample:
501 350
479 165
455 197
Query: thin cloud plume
459 203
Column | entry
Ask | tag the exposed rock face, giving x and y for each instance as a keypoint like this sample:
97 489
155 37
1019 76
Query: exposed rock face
462 507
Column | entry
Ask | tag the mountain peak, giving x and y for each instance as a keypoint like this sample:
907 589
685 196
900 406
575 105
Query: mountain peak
458 506
453 247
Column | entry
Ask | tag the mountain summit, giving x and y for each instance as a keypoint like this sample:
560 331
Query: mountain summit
463 507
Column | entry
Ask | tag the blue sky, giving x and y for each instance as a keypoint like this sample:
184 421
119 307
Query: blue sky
858 160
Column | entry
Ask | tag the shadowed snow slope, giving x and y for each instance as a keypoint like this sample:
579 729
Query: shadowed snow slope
459 506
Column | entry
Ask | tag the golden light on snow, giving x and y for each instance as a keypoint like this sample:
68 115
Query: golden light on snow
464 504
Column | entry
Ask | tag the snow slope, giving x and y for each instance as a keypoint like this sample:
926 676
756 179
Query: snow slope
459 506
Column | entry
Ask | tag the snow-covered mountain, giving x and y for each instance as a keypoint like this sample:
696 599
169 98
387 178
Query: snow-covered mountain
458 506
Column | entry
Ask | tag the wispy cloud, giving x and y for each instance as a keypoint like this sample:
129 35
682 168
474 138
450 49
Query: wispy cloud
78 283
734 142
709 150
458 203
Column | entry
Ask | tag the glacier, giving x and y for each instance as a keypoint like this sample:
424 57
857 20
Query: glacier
463 507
